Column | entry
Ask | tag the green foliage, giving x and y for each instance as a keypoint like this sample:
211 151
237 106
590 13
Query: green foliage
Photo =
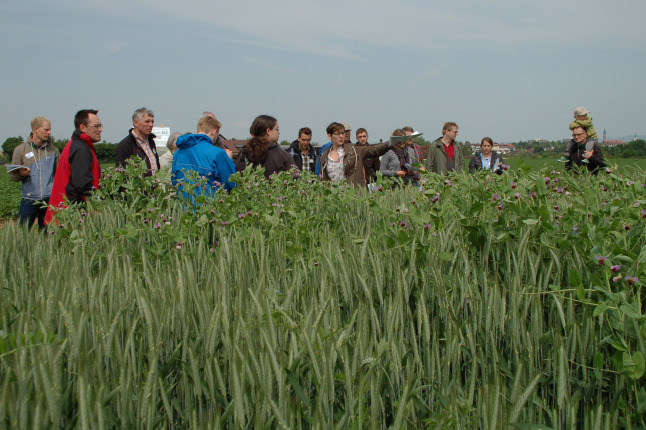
10 192
635 149
478 301
10 144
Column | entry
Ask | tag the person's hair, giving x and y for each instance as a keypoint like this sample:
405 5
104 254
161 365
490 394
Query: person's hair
335 127
207 113
258 145
82 116
207 124
399 132
448 126
140 113
486 139
408 128
172 139
361 130
39 121
305 130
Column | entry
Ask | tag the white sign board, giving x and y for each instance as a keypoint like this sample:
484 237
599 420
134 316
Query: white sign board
162 133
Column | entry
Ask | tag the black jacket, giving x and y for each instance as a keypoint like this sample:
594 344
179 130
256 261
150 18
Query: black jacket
296 153
128 147
476 162
277 160
595 162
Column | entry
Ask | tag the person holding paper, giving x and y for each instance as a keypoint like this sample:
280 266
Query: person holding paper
40 158
486 159
395 163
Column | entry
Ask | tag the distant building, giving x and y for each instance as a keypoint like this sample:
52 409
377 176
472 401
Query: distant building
613 142
500 148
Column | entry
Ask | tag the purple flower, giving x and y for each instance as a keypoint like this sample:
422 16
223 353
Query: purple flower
427 226
495 197
212 249
240 215
179 245
632 279
499 206
547 180
627 227
157 226
146 221
601 259
533 195
436 198
513 185
608 170
643 213
517 196
616 268
224 222
556 208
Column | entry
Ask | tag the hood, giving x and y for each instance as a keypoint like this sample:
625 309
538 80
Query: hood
190 140
50 141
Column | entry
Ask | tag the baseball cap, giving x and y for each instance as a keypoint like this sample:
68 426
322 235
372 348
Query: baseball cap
581 111
346 126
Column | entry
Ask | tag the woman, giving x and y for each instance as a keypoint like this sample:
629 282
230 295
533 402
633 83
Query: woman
345 160
393 164
486 159
263 149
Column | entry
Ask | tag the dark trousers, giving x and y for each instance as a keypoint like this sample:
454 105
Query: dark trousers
32 209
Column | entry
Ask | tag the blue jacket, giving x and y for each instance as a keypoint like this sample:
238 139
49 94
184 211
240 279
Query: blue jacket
318 160
196 152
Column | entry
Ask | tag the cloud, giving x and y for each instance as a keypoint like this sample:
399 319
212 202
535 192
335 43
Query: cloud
342 29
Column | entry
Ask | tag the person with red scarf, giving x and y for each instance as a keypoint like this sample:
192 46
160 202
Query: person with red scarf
78 169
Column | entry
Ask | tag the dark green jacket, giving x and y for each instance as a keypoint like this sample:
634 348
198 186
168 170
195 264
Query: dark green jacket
436 158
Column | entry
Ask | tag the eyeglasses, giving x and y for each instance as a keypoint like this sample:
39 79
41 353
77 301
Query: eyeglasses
339 133
578 134
97 126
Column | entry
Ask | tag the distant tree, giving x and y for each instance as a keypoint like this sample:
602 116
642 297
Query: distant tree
633 149
285 143
10 144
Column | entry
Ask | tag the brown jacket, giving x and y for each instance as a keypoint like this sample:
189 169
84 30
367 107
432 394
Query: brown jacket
353 160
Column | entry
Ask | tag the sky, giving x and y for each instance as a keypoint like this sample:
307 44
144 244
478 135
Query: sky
508 69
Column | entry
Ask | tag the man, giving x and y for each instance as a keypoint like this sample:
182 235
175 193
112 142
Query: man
370 164
78 169
445 154
579 152
348 131
40 157
140 142
196 153
414 150
303 152
218 140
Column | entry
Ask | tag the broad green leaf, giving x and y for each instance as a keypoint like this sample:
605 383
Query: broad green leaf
601 308
445 256
530 221
575 277
632 310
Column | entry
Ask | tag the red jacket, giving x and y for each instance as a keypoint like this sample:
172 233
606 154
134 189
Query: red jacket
77 174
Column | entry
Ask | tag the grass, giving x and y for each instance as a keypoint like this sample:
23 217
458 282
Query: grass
10 192
299 305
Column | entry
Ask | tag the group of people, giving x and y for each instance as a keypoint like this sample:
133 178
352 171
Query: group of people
51 179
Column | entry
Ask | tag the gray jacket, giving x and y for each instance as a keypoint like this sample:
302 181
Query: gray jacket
42 161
